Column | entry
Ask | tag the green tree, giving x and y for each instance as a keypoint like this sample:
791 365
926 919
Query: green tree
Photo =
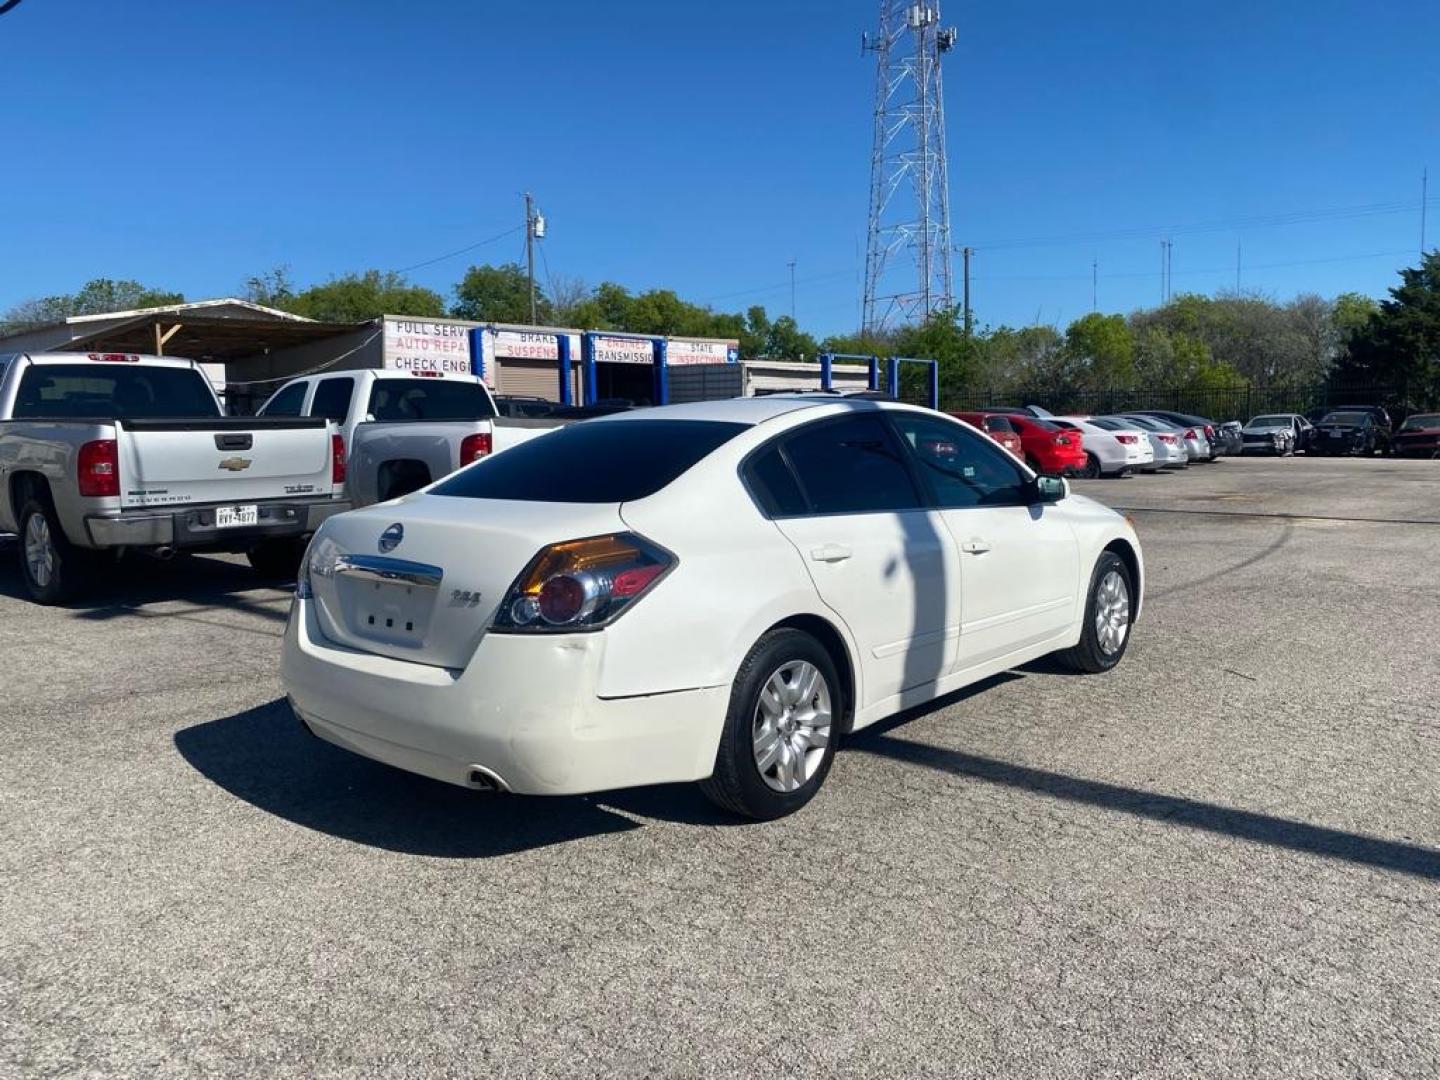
1104 348
96 297
1399 345
271 288
498 294
357 297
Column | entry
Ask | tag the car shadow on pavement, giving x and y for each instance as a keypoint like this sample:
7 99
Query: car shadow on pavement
124 587
1189 813
267 758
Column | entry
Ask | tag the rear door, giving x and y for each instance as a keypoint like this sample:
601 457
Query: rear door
879 558
1019 563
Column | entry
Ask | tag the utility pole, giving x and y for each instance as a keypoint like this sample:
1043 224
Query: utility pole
1237 267
966 253
1162 273
792 290
1424 195
908 157
534 227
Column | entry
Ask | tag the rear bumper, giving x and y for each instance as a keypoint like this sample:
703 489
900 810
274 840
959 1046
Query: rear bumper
524 711
1051 461
194 526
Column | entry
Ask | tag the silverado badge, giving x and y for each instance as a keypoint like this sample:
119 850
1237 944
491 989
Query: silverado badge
235 464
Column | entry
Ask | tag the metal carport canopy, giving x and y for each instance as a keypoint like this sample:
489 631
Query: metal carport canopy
197 336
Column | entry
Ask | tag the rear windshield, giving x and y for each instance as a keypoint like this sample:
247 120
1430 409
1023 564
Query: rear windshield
594 462
1354 418
119 391
429 399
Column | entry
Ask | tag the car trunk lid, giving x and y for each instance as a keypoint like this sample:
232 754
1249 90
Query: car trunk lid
422 579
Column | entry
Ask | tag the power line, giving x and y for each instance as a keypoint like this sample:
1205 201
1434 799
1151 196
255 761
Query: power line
460 251
1259 221
1197 271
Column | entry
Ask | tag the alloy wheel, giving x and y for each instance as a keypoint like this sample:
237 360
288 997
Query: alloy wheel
40 555
1112 612
791 726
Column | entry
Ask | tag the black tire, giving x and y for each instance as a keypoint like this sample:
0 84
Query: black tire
67 570
277 559
1091 469
1090 656
737 784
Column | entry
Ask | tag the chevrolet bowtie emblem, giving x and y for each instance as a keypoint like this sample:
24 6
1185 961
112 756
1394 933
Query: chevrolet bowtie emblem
235 464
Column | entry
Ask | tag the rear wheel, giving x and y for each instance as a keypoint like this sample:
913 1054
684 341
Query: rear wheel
779 737
1109 610
277 559
53 569
1091 469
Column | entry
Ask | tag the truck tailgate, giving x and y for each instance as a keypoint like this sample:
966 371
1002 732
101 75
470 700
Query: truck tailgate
240 459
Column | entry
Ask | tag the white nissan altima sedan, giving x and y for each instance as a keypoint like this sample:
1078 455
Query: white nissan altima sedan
712 592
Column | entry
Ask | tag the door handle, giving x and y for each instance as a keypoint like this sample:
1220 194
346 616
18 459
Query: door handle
975 547
830 553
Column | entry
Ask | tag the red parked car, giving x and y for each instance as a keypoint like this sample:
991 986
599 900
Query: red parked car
1419 435
997 427
1047 448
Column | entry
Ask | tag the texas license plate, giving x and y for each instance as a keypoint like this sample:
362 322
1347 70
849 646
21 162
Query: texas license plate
227 517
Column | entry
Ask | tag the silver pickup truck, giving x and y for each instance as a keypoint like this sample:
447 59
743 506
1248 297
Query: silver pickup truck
105 452
404 429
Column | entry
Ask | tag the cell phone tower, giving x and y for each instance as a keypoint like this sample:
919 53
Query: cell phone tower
909 176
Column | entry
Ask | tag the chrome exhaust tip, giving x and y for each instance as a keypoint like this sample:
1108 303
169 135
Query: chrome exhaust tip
483 779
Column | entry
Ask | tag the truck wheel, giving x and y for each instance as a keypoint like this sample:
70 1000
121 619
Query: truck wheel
277 559
53 569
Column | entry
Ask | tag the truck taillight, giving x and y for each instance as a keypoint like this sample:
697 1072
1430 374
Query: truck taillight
98 469
474 447
337 460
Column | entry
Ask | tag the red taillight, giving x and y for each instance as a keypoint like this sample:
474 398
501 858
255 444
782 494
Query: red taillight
337 460
1127 439
429 374
1191 434
114 357
474 447
582 584
1167 439
98 469
1062 440
1209 432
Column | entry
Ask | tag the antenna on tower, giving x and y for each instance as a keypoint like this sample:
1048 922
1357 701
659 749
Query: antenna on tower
909 176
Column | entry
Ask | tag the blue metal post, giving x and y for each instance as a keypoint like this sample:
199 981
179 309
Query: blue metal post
874 373
587 349
662 372
894 378
477 351
567 397
826 360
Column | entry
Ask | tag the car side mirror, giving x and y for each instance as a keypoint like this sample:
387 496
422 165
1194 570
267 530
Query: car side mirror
1048 489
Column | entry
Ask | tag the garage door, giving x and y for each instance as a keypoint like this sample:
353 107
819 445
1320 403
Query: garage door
534 378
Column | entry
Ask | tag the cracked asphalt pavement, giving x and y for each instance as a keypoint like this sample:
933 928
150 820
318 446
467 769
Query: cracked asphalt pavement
1222 859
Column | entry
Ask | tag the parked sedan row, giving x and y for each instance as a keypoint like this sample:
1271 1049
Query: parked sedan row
1096 446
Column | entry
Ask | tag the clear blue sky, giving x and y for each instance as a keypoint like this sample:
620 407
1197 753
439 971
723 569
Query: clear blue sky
702 146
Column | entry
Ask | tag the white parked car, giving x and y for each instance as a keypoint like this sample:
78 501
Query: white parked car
1108 452
711 592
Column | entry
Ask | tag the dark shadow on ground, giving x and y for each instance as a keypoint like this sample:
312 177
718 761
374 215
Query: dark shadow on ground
121 588
1171 809
267 758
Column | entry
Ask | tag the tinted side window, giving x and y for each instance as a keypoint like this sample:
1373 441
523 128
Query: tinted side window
773 484
287 402
851 466
960 469
332 399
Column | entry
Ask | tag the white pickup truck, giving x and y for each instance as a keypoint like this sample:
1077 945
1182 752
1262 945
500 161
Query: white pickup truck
104 452
402 429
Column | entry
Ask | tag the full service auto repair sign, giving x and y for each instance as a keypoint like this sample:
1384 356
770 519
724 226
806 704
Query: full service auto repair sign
683 351
427 345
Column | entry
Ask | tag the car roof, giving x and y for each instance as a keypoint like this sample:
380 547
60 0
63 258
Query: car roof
747 410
